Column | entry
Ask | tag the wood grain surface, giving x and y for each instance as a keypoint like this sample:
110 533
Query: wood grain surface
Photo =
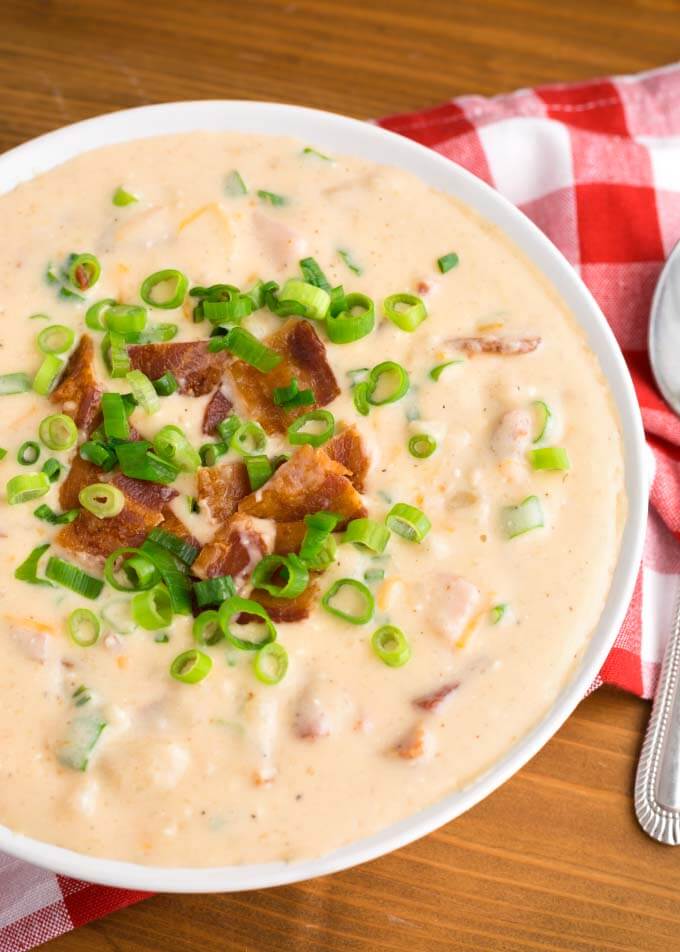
553 860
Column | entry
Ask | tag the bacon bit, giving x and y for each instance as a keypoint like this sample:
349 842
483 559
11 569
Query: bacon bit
347 448
149 495
287 609
234 551
78 388
434 700
423 287
306 483
171 523
219 407
505 346
197 370
289 536
222 488
82 280
82 473
416 744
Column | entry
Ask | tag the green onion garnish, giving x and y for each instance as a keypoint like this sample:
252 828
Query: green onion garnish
55 518
173 575
115 354
351 264
83 271
235 605
497 613
360 398
83 734
211 452
93 315
171 444
259 471
298 436
137 461
359 617
549 457
191 666
391 646
235 185
3 453
116 426
28 453
289 569
315 300
55 339
28 570
528 515
308 150
270 663
383 372
408 522
213 591
25 488
206 628
166 384
291 396
14 383
129 570
407 311
244 345
183 550
95 452
312 274
58 432
319 527
39 317
47 374
70 576
367 534
446 262
374 575
355 321
121 197
543 419
178 285
143 391
83 627
52 469
152 334
102 499
123 318
271 198
437 371
422 445
151 609
249 439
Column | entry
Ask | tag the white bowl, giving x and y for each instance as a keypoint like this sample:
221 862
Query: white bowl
339 134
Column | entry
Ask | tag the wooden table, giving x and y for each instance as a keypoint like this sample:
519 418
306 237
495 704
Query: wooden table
554 859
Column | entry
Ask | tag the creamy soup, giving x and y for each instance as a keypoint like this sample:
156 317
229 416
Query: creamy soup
398 585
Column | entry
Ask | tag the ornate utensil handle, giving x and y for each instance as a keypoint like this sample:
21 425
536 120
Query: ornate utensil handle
657 784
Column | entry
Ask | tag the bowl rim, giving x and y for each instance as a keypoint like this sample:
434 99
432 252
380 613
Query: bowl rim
345 135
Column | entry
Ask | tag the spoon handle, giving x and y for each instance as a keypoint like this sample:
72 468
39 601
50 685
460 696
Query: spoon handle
657 784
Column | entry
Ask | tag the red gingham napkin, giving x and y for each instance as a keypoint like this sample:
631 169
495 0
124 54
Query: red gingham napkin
597 166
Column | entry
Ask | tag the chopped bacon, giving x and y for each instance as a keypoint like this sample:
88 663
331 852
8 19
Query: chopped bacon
198 371
222 488
304 358
235 550
434 700
78 390
171 523
347 448
219 407
88 535
493 344
306 483
150 495
81 474
287 609
289 536
416 744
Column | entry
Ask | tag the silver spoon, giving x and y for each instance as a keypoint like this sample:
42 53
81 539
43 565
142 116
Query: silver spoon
657 784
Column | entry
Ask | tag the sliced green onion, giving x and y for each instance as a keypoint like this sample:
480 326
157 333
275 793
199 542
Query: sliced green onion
93 315
244 345
102 499
39 317
315 300
422 445
25 488
446 262
235 605
206 629
137 461
408 521
166 384
70 576
47 514
360 398
437 371
191 666
83 627
228 427
173 575
116 424
235 185
549 457
183 550
124 318
126 563
324 557
95 452
319 527
498 612
161 638
308 150
543 419
211 452
271 198
178 282
28 570
298 436
407 311
83 733
249 439
151 609
143 391
368 534
121 197
312 274
291 396
172 445
213 591
115 353
528 515
374 575
290 569
58 432
193 504
3 453
359 617
152 334
28 453
354 322
280 308
83 271
55 339
14 383
375 382
259 471
270 663
338 299
47 374
349 261
391 646
52 469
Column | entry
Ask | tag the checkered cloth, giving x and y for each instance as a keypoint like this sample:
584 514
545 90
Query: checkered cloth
597 167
